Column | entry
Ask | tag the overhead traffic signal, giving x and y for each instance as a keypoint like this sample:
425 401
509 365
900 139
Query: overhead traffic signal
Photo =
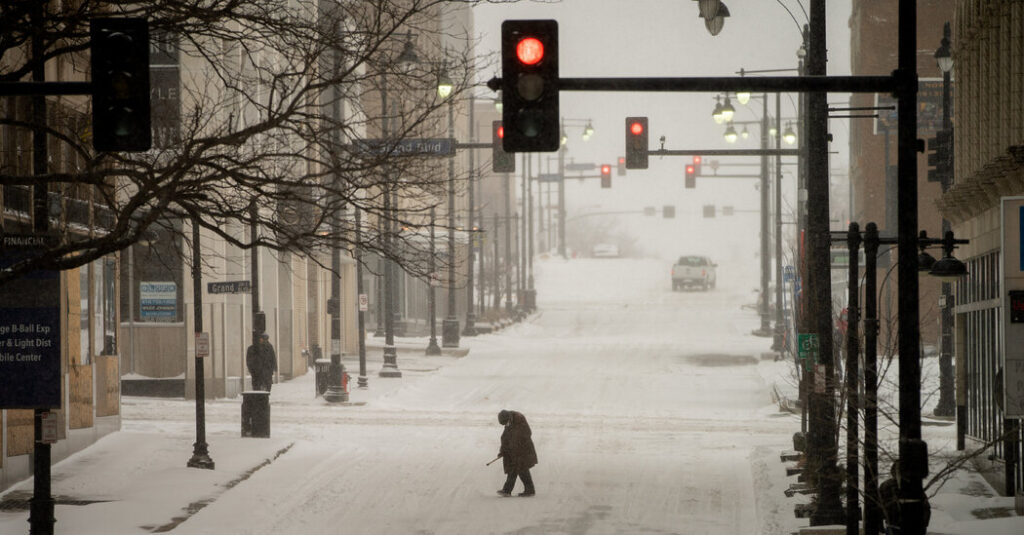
697 160
119 61
940 156
691 176
636 142
501 161
606 176
709 210
622 166
668 211
529 78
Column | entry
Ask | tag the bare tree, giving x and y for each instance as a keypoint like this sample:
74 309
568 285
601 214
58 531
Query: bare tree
278 99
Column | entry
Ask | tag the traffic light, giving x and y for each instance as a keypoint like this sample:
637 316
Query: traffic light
727 210
668 211
636 142
501 161
709 210
940 156
606 176
529 78
696 164
691 176
119 61
622 166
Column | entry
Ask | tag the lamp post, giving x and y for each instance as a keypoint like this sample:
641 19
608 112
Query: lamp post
407 58
450 326
200 450
947 405
335 392
362 381
432 348
470 328
588 130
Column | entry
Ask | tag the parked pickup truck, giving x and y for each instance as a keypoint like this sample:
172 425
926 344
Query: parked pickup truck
693 270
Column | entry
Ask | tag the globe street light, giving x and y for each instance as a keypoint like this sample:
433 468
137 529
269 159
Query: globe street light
716 114
789 136
730 134
727 110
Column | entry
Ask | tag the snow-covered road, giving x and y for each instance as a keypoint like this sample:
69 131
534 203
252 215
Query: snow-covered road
645 406
648 408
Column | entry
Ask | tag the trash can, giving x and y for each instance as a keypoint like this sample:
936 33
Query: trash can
322 367
256 414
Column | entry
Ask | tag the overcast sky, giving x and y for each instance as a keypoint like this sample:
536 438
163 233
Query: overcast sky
667 38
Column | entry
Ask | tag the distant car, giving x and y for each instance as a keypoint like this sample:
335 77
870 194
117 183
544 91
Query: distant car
694 270
605 250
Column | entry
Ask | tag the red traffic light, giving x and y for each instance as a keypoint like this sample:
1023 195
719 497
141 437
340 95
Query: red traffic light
501 132
530 50
606 169
696 160
689 169
636 128
622 160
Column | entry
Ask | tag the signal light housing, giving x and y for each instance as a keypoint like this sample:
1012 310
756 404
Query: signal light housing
119 61
529 84
501 161
606 176
691 176
636 142
697 160
621 170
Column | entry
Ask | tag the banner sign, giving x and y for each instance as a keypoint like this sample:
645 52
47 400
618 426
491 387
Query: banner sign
158 301
29 331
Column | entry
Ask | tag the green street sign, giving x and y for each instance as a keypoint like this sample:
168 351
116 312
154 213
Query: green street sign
808 349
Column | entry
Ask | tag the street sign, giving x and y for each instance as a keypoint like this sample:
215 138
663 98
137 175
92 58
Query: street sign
580 166
549 177
364 303
409 147
49 421
229 287
30 335
808 349
202 345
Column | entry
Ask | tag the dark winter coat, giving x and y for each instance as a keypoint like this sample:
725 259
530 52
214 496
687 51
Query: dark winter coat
261 360
889 496
517 452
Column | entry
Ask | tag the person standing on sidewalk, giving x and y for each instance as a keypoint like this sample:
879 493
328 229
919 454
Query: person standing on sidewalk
517 452
262 362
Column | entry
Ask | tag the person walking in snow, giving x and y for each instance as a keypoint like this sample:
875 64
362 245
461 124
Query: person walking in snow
262 362
517 452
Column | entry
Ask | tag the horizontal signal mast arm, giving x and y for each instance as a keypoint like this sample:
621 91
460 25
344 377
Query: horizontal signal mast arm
800 84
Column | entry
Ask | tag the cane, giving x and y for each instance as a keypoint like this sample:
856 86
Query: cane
495 459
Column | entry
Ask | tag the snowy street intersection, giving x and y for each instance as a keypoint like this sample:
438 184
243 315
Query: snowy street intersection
649 408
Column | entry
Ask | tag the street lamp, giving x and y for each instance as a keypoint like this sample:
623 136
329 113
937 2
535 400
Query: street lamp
588 131
731 135
708 8
943 57
728 112
788 135
432 348
714 24
716 114
743 97
406 59
745 133
450 326
947 405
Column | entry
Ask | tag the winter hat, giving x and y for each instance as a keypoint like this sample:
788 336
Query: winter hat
504 416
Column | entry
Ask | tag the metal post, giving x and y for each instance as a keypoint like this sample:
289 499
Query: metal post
823 449
495 268
765 328
508 243
872 511
41 515
470 328
780 324
947 403
531 292
852 372
913 450
379 287
561 199
390 367
432 348
363 381
450 327
200 450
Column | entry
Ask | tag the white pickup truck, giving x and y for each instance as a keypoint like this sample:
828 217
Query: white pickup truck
693 270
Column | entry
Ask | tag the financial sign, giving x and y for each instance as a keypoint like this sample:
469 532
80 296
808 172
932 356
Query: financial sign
29 330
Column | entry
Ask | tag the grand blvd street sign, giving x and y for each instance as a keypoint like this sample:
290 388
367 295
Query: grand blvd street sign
409 147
